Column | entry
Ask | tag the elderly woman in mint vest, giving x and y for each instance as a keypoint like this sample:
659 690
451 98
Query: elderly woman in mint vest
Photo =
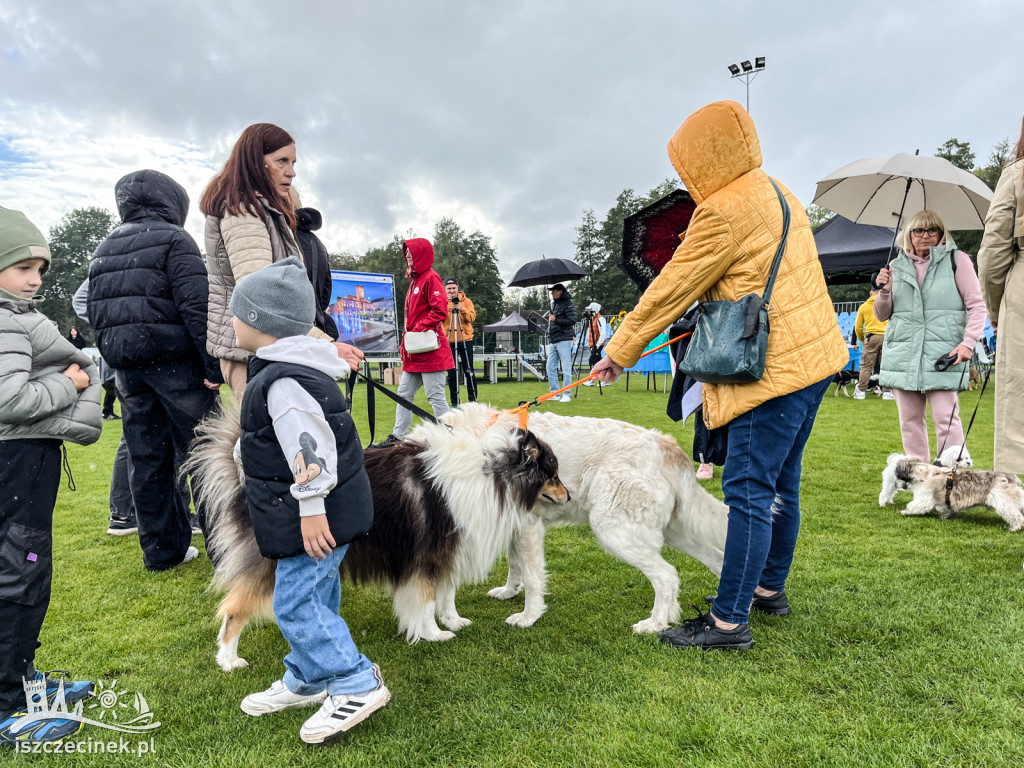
932 299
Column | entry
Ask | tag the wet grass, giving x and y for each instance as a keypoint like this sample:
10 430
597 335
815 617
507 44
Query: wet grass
903 649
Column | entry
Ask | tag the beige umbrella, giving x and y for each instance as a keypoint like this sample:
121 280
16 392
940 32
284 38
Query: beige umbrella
877 190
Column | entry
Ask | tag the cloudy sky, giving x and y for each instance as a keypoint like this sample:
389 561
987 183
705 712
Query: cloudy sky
511 117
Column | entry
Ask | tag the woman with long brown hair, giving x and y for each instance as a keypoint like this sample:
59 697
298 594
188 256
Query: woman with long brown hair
1002 284
250 223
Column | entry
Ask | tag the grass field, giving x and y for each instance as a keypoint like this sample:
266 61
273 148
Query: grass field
903 648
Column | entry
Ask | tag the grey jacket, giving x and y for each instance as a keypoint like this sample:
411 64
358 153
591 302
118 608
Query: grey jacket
36 399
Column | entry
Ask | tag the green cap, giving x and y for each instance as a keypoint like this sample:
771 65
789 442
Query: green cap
20 239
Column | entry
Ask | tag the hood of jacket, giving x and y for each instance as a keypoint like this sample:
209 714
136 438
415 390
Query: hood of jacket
422 256
714 147
143 195
308 219
319 354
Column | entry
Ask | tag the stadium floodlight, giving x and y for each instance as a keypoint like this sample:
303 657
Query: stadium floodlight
747 72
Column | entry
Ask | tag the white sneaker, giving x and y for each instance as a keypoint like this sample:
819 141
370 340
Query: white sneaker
190 554
341 713
588 383
888 396
566 398
277 698
860 394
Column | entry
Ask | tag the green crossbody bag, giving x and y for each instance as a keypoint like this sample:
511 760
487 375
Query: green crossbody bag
731 337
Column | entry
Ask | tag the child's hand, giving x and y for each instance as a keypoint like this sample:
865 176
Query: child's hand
316 536
78 377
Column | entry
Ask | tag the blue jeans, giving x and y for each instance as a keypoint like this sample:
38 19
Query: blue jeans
307 596
559 351
761 485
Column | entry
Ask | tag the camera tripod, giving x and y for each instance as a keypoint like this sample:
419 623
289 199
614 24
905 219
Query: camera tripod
463 359
577 357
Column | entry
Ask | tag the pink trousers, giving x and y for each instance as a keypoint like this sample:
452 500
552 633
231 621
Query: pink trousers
914 428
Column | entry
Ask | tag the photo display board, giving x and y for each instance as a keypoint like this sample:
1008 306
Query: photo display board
363 307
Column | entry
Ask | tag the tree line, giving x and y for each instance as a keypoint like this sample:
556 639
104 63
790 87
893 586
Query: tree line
471 257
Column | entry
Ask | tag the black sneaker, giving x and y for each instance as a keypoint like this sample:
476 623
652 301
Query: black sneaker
111 417
386 442
776 605
702 632
122 526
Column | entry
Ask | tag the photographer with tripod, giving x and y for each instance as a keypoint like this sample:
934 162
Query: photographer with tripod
593 335
458 328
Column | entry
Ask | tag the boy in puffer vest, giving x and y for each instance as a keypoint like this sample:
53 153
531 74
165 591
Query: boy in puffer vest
308 496
49 392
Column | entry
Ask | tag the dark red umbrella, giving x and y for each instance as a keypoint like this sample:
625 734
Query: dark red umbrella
651 235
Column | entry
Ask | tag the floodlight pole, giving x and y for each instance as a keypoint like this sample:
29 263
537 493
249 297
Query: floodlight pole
746 72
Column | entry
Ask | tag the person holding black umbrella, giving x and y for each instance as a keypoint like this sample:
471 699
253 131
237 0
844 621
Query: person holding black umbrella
561 332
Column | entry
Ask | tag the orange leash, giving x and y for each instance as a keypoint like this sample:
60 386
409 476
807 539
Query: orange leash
524 407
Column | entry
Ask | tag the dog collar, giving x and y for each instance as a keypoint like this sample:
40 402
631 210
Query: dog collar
521 410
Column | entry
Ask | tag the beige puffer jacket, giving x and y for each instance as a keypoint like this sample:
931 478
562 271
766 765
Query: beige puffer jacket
237 246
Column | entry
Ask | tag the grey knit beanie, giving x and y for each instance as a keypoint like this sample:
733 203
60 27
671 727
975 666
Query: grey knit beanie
277 300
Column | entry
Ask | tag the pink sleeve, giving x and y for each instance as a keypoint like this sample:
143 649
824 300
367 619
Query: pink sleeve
970 291
883 305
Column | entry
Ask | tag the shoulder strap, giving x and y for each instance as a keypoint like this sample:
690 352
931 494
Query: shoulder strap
782 244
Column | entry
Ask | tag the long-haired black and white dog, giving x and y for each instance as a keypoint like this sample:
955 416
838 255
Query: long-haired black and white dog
446 505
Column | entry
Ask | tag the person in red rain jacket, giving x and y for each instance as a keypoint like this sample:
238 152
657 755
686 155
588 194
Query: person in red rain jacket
426 307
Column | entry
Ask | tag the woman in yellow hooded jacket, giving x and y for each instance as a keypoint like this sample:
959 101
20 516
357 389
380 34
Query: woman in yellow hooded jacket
727 253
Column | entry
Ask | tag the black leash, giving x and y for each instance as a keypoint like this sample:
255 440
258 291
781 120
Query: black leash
950 477
970 424
371 408
952 414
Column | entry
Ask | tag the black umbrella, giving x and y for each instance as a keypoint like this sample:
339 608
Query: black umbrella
545 272
651 235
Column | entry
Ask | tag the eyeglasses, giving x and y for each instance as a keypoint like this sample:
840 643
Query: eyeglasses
932 231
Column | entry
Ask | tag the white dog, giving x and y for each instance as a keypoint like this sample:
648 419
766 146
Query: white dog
947 459
635 487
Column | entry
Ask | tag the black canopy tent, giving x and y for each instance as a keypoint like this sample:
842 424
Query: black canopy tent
851 253
512 323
